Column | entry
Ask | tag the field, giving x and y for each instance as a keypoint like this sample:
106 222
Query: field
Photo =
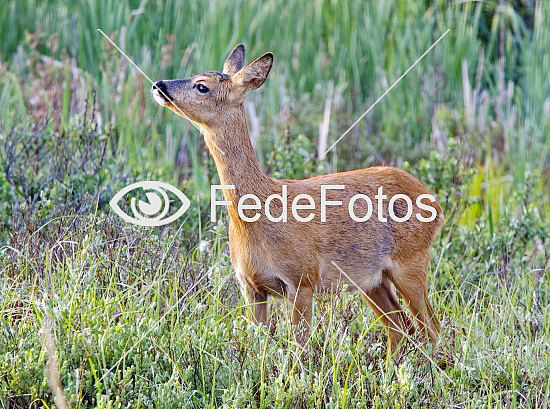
98 313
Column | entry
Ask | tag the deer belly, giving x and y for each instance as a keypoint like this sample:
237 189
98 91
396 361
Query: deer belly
359 275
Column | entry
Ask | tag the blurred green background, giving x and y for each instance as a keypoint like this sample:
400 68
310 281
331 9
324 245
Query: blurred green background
486 84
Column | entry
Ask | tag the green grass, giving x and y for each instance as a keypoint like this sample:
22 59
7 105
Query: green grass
152 317
137 326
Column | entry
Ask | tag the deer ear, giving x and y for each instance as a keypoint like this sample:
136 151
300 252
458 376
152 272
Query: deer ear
235 61
254 74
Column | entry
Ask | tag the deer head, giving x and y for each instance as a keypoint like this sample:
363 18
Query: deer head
214 97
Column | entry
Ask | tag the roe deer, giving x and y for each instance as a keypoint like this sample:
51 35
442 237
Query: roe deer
292 258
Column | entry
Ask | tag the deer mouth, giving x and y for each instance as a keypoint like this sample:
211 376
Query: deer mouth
160 94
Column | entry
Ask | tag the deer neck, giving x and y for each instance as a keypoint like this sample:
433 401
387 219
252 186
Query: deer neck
236 161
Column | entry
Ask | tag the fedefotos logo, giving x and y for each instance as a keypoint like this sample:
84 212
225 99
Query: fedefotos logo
152 211
306 202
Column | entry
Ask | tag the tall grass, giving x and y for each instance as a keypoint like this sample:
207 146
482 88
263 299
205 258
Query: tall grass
536 90
362 46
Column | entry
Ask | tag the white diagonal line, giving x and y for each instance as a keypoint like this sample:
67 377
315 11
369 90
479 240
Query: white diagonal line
159 90
388 90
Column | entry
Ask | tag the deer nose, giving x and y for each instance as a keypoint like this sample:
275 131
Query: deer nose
161 86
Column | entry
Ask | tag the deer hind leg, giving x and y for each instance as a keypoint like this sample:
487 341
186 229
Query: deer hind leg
386 306
411 282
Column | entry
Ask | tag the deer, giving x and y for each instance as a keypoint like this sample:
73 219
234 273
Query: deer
293 259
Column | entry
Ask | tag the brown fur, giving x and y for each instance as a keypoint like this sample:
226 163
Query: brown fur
293 259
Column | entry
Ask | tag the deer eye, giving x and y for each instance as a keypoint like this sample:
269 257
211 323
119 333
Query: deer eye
201 88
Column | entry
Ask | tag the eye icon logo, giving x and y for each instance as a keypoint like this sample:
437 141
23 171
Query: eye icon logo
150 212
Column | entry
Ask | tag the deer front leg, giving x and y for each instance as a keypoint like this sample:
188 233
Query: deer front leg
256 302
302 304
